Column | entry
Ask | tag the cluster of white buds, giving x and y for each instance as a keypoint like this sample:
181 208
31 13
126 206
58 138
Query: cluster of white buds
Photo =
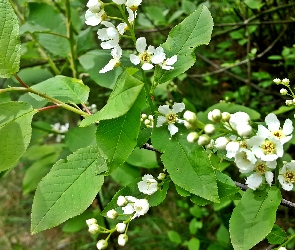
283 91
60 129
93 227
147 120
256 154
110 36
91 107
170 116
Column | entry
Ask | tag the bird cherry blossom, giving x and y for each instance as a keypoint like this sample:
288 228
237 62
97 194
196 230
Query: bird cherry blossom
109 35
170 116
148 185
115 61
95 13
287 176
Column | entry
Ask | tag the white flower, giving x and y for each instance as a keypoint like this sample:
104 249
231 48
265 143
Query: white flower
133 4
122 201
170 116
244 129
122 239
91 221
221 142
267 149
245 160
120 227
285 81
284 92
122 27
282 134
115 61
287 176
109 35
60 129
209 129
128 209
119 1
144 57
276 80
239 119
158 56
232 148
141 207
93 229
102 244
289 102
148 185
214 115
166 64
192 137
112 214
94 5
261 169
96 18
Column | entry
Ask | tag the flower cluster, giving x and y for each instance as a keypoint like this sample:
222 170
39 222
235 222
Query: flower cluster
255 152
288 92
170 116
110 36
60 130
147 120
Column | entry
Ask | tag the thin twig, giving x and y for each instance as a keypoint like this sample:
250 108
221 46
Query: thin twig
20 81
254 23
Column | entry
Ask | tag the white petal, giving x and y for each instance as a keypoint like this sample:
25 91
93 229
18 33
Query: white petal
141 44
288 127
151 50
161 120
128 209
119 1
285 185
178 107
272 122
171 60
147 66
172 128
134 59
109 44
164 109
132 15
159 56
271 164
121 28
91 18
94 6
108 24
111 64
254 181
116 52
102 34
167 67
269 177
263 131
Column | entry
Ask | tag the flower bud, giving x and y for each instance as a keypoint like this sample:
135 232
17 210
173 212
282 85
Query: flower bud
91 222
147 121
225 116
282 248
244 130
204 140
161 176
102 244
143 116
192 137
188 125
221 142
284 92
214 115
112 214
277 81
286 81
122 201
122 239
289 102
150 117
209 129
210 145
93 229
120 227
190 116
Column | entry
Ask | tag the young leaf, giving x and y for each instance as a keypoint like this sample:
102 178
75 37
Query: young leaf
117 138
277 235
120 101
9 40
68 189
63 88
194 30
189 167
254 217
16 131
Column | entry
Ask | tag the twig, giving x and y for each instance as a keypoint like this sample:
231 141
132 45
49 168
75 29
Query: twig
253 23
284 202
150 147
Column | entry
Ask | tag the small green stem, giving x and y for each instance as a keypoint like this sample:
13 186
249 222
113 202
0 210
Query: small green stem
70 35
130 27
291 238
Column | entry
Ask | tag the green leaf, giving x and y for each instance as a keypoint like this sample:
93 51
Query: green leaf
125 174
283 109
80 137
254 217
174 237
117 138
120 101
68 189
253 4
63 88
193 31
277 235
226 186
9 40
199 200
16 131
188 7
143 158
189 167
194 244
